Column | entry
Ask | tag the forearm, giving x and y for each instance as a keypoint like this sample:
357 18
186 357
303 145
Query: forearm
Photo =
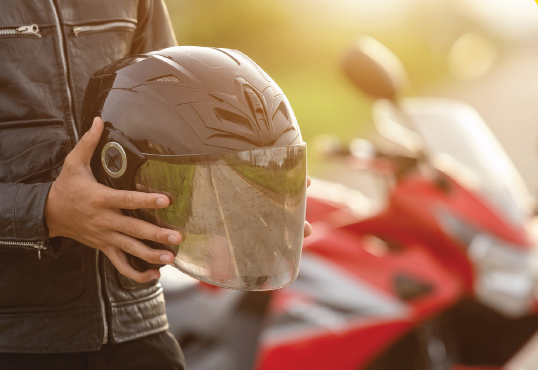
22 222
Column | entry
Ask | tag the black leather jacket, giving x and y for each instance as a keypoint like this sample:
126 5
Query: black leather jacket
62 296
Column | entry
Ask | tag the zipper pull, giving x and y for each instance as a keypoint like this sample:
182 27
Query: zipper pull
29 30
76 30
39 246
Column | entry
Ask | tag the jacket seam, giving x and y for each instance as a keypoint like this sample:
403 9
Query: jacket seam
42 216
78 311
42 228
15 201
32 123
143 334
138 300
49 350
38 173
101 21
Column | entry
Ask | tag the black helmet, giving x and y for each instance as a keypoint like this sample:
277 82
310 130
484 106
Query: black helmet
211 130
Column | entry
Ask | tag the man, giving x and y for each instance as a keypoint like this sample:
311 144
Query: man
62 303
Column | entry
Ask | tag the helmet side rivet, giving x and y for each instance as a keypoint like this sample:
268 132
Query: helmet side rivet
114 159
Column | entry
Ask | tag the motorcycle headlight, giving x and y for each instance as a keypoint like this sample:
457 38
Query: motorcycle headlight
505 275
457 228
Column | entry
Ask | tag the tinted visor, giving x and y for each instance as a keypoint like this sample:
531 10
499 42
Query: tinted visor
241 214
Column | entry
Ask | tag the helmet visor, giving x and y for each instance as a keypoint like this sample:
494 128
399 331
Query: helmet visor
241 214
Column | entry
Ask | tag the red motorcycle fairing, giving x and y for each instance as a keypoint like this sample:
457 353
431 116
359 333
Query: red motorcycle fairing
350 292
419 196
346 294
415 209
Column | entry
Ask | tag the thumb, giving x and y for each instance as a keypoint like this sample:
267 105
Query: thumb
83 152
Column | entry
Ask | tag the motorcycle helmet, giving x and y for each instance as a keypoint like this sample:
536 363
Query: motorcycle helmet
211 130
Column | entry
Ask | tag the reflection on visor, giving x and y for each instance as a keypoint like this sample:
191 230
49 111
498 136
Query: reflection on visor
241 215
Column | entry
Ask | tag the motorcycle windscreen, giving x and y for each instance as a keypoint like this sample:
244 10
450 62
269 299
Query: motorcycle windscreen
241 214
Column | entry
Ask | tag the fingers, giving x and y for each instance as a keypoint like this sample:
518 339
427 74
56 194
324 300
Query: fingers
146 189
144 230
307 229
152 218
137 248
119 260
83 151
134 200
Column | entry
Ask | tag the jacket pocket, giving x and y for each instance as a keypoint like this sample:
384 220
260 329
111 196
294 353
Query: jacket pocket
26 280
92 46
109 26
32 151
31 30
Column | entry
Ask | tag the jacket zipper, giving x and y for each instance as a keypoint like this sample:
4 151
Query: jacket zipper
64 62
38 245
103 27
72 119
30 30
101 301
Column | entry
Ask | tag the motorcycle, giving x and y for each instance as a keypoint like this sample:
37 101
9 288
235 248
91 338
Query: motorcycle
443 276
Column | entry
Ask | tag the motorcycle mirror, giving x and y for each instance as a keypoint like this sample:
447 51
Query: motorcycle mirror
386 119
374 69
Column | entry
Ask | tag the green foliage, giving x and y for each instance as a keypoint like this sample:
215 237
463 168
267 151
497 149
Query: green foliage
287 179
176 181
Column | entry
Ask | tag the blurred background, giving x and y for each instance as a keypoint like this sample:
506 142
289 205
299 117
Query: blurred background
484 52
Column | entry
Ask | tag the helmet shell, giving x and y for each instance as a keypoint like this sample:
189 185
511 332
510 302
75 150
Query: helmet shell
181 101
189 100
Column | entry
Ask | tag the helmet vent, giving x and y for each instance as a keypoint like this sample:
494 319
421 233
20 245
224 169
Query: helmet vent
226 116
257 107
167 78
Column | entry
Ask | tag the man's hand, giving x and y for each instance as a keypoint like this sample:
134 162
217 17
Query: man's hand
80 208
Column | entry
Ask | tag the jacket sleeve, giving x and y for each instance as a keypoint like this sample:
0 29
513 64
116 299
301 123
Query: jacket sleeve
22 220
154 30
